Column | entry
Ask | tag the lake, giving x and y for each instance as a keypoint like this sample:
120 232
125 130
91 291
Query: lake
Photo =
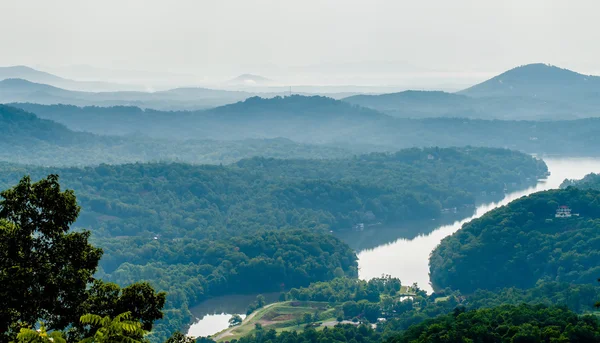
401 251
408 259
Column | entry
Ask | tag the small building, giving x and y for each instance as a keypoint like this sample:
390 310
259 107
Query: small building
430 157
563 212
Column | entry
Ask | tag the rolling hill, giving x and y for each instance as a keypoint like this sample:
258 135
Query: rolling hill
37 76
531 92
193 98
538 81
30 140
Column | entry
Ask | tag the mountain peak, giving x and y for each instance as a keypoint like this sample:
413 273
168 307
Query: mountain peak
535 80
250 79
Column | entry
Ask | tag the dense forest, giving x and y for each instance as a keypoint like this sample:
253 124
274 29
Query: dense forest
199 231
191 271
176 200
523 243
506 323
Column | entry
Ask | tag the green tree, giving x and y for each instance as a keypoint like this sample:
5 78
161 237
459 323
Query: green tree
120 329
178 337
44 269
235 320
260 301
598 303
307 318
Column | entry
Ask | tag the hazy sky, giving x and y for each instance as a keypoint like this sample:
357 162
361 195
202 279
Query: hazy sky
224 38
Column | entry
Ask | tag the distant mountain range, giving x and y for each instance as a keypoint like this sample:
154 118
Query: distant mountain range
37 76
323 122
20 90
30 140
530 92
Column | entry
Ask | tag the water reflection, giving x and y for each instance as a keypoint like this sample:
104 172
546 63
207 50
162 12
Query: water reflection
408 259
376 236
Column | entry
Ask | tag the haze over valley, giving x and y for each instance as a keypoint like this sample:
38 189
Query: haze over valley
278 172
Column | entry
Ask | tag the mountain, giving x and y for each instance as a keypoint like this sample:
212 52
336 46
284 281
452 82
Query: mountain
416 104
250 80
531 92
303 119
539 81
28 139
21 90
37 76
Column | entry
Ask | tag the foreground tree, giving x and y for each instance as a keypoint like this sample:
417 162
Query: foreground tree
40 336
44 269
121 329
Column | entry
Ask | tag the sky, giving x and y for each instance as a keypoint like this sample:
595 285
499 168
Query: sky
355 41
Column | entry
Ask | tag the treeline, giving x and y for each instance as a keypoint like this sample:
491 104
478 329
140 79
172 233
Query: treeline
367 301
522 244
176 200
347 289
508 323
590 181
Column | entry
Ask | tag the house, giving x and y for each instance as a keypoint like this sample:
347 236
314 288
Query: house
563 212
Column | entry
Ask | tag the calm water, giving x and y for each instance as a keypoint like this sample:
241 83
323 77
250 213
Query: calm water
213 315
408 259
401 251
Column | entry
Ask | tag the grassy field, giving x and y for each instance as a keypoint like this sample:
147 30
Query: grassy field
280 316
288 316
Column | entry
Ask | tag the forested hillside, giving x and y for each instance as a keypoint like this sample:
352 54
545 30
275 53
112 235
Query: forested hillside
590 181
176 200
324 121
199 231
435 104
28 139
524 243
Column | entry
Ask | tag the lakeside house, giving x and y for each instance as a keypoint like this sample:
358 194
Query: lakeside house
564 212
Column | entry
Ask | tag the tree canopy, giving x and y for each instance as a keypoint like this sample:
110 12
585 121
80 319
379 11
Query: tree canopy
45 268
522 243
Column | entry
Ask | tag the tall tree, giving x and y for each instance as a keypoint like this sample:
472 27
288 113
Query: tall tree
44 269
46 272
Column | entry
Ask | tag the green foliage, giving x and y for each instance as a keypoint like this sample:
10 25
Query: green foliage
44 269
175 200
347 289
235 320
178 337
506 323
120 329
522 243
339 333
40 336
193 270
